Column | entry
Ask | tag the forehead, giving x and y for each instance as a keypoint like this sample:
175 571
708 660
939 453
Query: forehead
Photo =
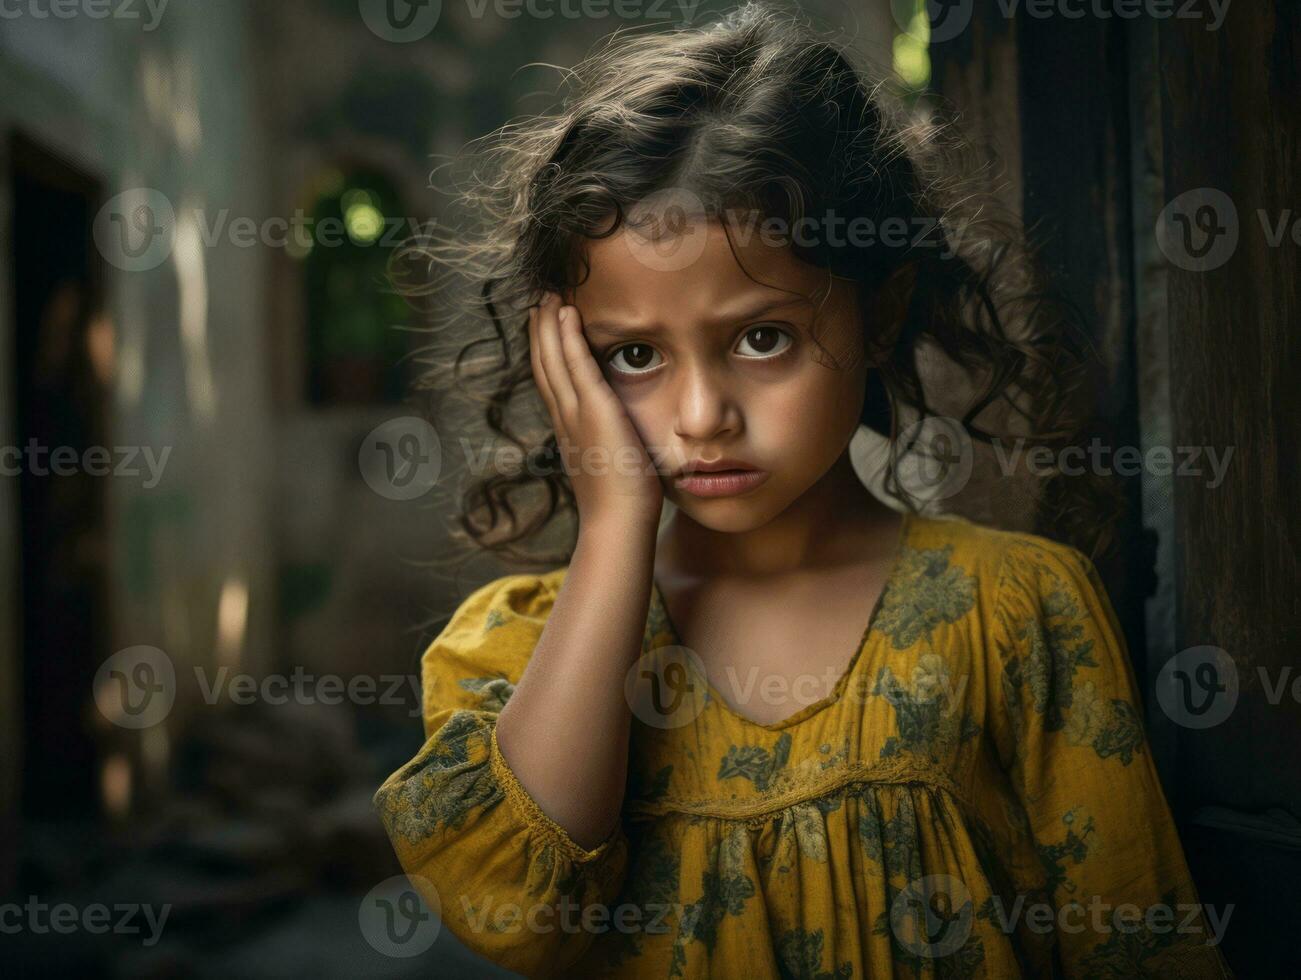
692 277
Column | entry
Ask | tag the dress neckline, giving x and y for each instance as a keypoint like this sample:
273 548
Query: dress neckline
834 696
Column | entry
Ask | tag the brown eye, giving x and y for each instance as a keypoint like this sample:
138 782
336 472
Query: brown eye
636 359
765 341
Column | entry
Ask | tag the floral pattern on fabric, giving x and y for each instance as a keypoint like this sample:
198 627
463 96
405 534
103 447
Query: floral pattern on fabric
982 762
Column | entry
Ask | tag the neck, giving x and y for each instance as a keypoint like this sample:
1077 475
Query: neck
837 520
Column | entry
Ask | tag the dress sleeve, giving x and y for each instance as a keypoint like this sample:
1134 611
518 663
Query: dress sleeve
1070 736
510 882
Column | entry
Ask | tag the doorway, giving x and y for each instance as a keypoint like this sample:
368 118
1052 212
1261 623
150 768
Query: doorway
61 370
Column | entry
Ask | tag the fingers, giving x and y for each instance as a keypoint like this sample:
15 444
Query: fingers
540 375
552 357
583 370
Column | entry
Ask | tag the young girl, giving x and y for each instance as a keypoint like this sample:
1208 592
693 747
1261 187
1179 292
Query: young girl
789 731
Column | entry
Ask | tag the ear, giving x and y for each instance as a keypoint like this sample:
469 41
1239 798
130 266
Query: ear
889 308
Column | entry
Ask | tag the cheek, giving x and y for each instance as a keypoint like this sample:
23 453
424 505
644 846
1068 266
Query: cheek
817 406
648 412
809 413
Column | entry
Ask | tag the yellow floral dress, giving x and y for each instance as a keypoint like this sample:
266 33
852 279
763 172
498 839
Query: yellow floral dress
974 799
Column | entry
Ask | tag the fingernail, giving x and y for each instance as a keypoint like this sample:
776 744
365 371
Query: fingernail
564 315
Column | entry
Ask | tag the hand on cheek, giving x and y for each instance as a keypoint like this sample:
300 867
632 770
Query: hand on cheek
608 466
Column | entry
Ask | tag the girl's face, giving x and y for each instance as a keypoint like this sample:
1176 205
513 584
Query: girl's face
711 363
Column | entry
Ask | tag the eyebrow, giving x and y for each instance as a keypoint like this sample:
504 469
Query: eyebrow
618 329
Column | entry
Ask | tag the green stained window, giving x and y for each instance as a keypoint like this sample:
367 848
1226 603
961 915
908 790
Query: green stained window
357 326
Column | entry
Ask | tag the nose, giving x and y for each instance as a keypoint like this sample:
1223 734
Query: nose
706 407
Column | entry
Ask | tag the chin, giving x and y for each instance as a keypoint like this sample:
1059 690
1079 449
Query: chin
727 515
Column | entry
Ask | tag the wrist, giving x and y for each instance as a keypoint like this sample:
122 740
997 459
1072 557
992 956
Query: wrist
620 528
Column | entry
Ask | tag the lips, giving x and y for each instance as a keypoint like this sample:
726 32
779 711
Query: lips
720 465
719 482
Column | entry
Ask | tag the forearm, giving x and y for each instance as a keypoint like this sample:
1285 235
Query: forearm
564 731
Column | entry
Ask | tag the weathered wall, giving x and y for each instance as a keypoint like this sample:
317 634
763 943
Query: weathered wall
1230 124
166 108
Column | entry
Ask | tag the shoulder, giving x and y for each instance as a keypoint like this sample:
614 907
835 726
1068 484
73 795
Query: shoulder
1013 568
525 596
987 547
499 622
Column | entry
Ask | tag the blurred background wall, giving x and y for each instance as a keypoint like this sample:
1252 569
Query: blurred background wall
172 352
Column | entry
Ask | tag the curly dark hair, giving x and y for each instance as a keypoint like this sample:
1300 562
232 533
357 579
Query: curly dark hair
754 114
